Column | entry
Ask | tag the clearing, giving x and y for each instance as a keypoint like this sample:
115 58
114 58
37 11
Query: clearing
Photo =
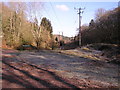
51 69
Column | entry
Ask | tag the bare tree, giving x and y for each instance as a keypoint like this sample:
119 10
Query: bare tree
34 15
99 13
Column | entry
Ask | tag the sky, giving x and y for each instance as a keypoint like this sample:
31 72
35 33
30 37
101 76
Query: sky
64 18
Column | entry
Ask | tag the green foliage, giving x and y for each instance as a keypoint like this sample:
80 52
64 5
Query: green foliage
56 39
46 24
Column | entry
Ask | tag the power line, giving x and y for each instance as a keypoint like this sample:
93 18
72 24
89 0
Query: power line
75 22
47 13
55 13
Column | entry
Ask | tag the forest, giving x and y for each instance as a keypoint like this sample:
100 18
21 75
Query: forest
103 29
17 30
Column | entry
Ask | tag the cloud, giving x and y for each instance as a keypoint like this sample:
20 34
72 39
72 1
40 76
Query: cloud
62 7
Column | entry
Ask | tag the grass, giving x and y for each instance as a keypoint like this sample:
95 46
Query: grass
80 54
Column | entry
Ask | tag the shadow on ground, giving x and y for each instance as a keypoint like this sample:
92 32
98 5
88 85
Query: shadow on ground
13 76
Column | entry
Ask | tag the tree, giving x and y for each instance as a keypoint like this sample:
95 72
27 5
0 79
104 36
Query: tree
47 38
14 24
9 25
46 24
33 9
56 39
104 30
22 24
37 33
92 23
99 13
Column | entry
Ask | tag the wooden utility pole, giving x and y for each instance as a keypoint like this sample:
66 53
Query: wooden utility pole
62 35
80 11
59 40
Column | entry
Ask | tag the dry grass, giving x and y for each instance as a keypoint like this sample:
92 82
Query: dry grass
80 54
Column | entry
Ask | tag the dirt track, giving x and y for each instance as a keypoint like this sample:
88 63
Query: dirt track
77 71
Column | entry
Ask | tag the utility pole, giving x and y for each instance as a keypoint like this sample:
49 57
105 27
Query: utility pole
59 36
61 41
80 11
62 35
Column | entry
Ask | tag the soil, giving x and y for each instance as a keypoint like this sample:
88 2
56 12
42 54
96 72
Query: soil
48 69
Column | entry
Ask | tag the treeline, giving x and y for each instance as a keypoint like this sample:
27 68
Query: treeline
17 30
103 29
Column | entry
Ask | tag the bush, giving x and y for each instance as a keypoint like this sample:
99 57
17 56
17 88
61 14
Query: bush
26 47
